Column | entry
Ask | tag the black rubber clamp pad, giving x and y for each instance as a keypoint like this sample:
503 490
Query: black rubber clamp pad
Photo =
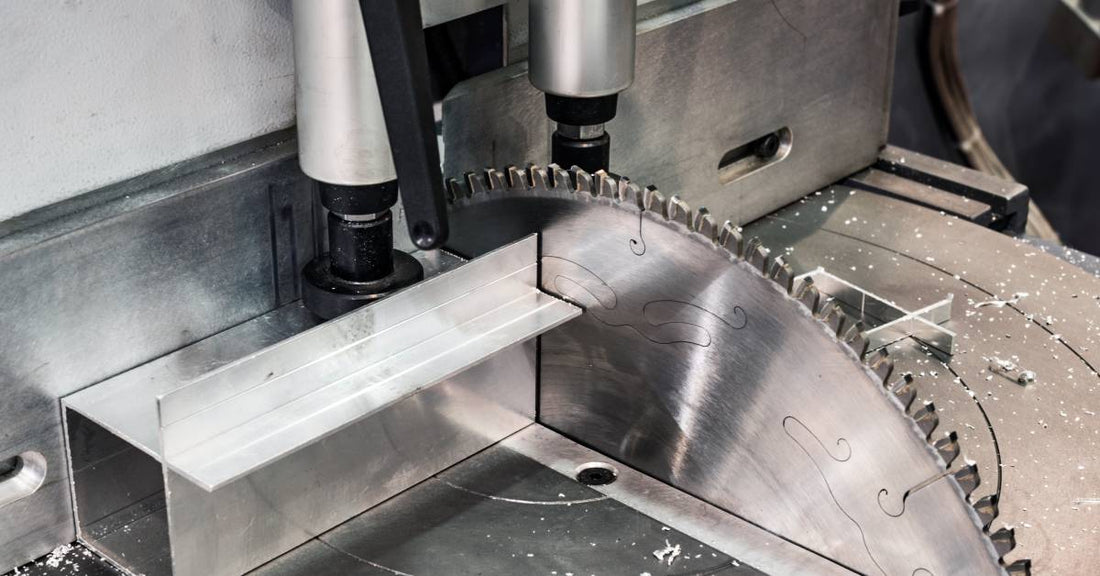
591 155
357 200
329 296
581 111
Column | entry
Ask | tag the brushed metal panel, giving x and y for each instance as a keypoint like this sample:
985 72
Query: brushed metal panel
256 518
248 415
251 520
95 286
675 509
711 76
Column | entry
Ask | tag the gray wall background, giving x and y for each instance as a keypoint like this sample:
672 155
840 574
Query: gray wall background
93 92
1038 110
97 91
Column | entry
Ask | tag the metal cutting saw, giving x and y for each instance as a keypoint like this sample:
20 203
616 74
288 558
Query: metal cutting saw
779 347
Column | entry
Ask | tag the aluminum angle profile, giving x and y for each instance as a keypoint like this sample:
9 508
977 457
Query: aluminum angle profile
250 413
890 322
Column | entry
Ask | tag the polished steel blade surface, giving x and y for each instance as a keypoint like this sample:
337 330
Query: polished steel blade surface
694 364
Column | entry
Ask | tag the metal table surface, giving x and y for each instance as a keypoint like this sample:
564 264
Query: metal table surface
1037 445
517 508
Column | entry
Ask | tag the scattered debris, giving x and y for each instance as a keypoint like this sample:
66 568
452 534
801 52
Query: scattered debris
1007 367
998 365
998 303
57 555
667 554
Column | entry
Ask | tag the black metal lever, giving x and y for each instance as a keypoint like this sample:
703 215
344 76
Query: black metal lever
396 38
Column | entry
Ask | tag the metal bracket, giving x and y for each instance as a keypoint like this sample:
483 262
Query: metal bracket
981 198
889 323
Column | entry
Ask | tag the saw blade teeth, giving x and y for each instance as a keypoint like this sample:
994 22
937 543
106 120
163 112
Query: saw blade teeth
927 419
475 184
498 181
582 181
607 186
808 294
856 339
905 380
782 274
560 178
968 479
678 211
905 391
456 191
540 177
654 201
757 256
517 178
855 330
1019 568
832 316
1004 540
749 247
948 448
988 508
631 194
730 239
704 224
881 364
621 194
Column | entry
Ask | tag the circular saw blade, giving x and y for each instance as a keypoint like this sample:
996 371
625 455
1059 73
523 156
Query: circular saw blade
699 363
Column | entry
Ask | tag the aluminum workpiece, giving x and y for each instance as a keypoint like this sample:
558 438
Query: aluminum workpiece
229 470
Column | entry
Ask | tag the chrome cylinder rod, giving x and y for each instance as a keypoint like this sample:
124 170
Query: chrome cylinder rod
342 134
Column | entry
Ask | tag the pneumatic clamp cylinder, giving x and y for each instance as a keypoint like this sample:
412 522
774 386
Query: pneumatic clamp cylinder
581 57
361 264
344 146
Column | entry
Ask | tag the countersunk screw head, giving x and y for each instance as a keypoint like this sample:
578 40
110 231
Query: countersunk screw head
596 474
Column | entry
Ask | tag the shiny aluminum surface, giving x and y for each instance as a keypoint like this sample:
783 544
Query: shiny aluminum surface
677 510
505 512
120 490
266 406
581 48
268 451
255 519
516 508
1037 445
99 284
126 404
342 135
695 369
25 476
